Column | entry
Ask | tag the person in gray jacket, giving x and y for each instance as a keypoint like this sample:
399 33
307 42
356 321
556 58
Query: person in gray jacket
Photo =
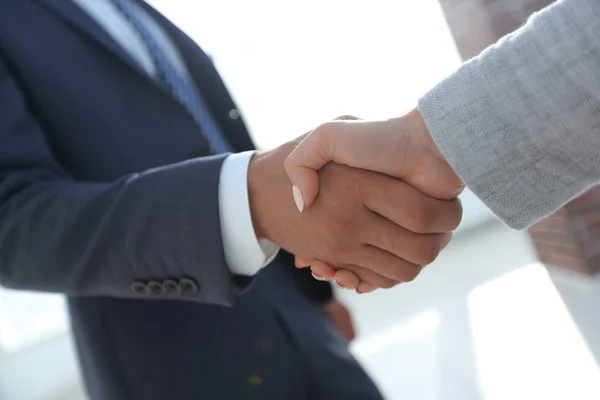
519 125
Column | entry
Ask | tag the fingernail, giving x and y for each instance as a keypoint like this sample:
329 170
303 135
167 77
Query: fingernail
318 277
298 199
341 287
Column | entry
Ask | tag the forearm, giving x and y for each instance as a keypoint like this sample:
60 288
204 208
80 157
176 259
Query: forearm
154 234
519 123
97 239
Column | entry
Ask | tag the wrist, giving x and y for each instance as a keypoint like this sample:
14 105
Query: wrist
418 129
428 169
269 192
254 190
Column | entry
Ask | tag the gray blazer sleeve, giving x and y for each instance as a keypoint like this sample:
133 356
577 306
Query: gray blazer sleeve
95 239
520 123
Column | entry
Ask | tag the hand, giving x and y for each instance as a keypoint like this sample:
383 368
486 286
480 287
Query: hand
337 313
343 278
381 229
399 147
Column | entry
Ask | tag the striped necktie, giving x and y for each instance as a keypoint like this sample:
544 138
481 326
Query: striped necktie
169 77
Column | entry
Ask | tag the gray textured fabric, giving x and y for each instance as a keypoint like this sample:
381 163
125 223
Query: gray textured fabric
520 122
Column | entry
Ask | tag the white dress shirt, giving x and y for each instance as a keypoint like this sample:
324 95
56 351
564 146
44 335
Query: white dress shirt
244 253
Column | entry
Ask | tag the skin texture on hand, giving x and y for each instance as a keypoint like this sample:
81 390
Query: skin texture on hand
379 228
400 147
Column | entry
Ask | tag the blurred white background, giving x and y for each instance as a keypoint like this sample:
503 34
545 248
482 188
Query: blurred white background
483 322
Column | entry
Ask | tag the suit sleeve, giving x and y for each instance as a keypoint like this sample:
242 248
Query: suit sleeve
520 123
160 226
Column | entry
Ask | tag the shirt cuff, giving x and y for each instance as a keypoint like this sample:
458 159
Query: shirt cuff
245 254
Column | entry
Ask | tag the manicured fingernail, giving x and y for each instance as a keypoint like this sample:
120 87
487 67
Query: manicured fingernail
319 278
298 199
341 287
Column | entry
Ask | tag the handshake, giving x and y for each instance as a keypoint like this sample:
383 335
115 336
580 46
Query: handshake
369 205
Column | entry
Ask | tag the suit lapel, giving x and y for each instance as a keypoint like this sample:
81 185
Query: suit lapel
208 82
77 18
83 23
199 64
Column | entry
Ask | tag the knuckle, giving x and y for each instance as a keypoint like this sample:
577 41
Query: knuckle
384 285
378 280
456 213
389 283
346 117
386 239
315 138
397 271
428 250
421 219
322 130
411 273
448 212
289 162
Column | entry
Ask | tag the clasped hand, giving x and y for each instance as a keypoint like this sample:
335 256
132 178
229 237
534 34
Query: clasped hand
400 148
370 219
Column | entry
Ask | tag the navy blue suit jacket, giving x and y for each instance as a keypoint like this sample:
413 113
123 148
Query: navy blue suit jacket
106 184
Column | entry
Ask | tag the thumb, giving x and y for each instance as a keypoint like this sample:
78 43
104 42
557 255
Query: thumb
301 167
306 159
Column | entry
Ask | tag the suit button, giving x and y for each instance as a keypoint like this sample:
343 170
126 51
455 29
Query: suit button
188 287
140 288
155 288
171 287
234 114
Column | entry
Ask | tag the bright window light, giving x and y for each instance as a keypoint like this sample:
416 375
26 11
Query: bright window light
526 343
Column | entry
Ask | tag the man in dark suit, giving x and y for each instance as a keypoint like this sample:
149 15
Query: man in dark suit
128 182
